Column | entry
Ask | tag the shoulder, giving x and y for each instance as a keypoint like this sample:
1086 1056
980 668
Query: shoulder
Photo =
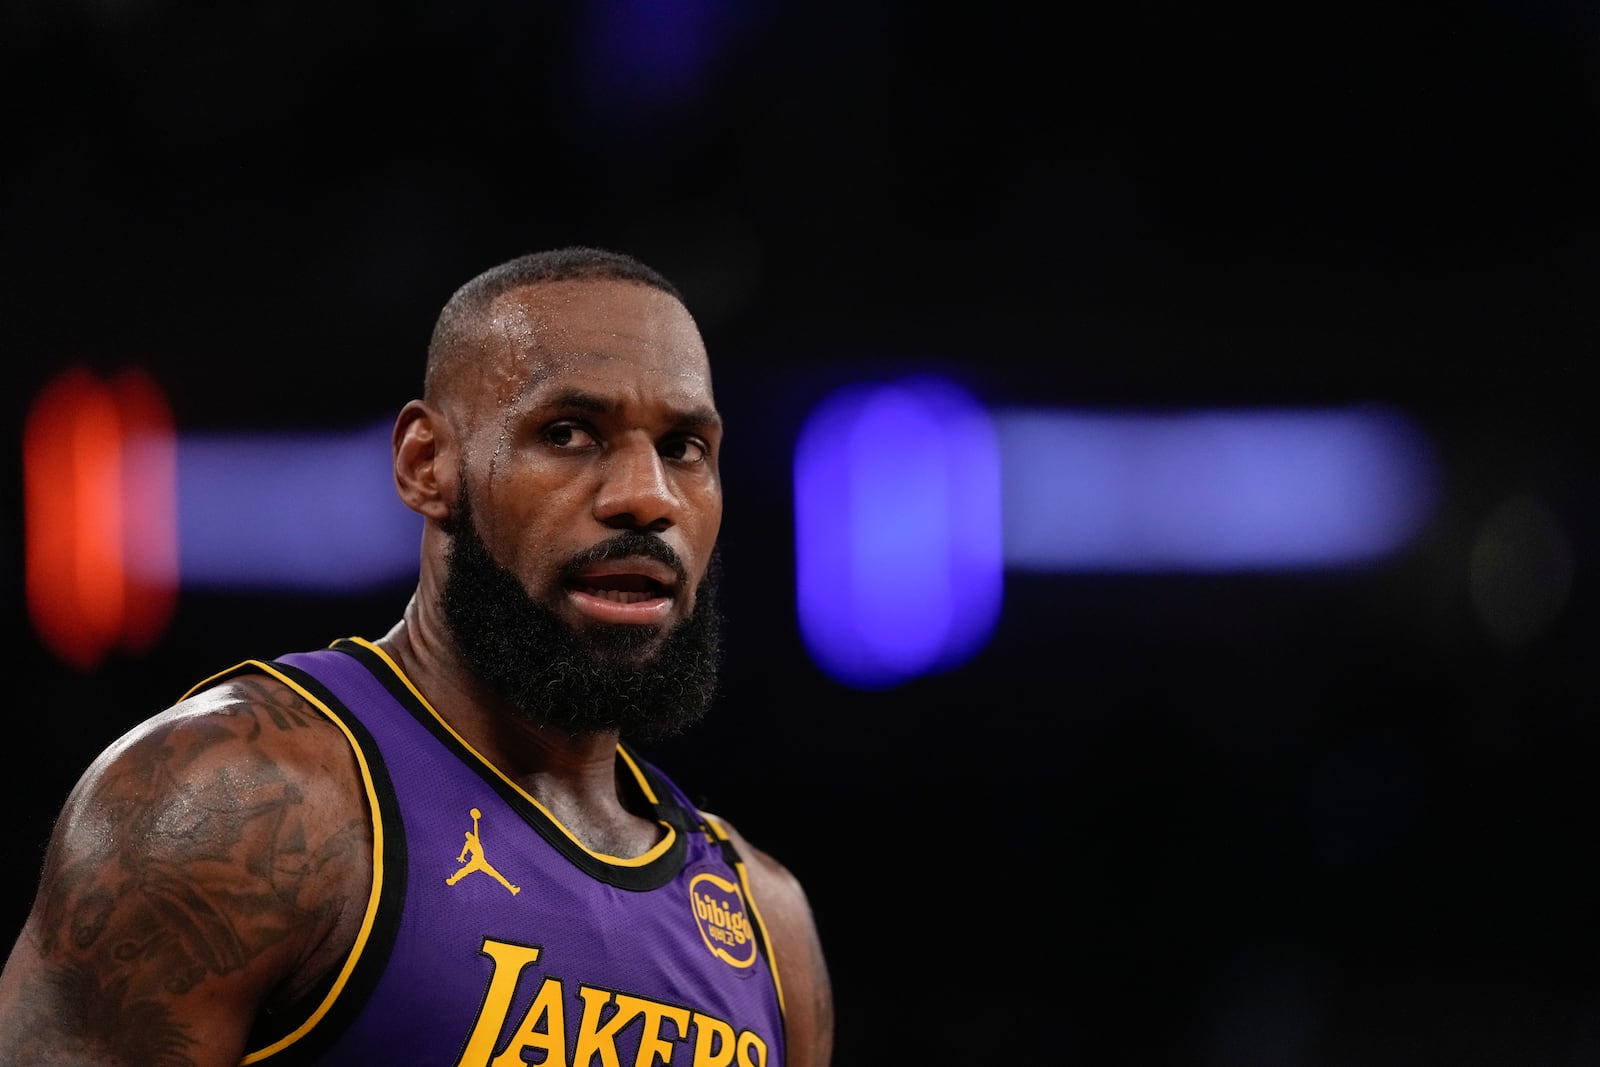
785 911
242 754
208 862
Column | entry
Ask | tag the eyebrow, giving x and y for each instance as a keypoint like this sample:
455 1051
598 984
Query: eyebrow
701 415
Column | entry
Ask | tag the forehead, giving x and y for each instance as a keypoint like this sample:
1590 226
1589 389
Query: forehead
595 334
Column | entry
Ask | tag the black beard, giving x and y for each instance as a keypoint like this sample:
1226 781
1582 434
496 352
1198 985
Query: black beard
601 679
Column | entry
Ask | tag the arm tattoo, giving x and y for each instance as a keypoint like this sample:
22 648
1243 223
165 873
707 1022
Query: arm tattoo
199 855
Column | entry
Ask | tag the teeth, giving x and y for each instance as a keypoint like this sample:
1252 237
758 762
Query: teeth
620 596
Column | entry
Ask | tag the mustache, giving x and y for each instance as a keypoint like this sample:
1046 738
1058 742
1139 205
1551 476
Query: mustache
628 544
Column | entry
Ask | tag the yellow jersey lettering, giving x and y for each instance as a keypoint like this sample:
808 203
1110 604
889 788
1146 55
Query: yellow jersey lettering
542 1027
651 1043
713 1042
594 1037
551 1039
752 1050
509 962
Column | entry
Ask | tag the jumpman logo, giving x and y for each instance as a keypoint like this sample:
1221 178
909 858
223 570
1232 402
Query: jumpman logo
474 848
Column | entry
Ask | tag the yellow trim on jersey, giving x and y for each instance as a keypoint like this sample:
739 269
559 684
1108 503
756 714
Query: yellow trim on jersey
644 783
370 917
659 849
750 898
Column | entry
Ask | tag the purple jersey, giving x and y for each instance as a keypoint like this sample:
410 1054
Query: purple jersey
494 937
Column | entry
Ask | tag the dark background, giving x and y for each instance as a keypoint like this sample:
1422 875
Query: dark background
1304 819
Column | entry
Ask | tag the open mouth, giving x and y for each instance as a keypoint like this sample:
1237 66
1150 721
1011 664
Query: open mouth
622 588
625 584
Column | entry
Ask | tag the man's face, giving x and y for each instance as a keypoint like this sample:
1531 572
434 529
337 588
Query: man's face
589 494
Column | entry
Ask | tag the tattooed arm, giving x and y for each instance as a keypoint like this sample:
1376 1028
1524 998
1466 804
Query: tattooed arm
213 861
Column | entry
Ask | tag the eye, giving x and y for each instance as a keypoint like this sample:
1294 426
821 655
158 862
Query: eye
685 450
569 435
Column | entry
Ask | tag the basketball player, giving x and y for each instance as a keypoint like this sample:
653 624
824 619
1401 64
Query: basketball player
438 846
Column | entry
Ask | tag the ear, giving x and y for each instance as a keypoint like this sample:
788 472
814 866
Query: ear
423 474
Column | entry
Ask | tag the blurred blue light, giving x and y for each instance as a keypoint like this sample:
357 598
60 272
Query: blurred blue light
1210 491
897 531
306 511
643 58
910 501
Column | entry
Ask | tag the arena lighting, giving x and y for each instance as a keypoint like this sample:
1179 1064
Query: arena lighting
315 512
1210 491
911 501
120 511
99 539
897 531
640 59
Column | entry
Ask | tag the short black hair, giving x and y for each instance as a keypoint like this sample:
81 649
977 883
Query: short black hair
462 312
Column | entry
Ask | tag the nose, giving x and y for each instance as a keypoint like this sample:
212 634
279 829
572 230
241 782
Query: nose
634 491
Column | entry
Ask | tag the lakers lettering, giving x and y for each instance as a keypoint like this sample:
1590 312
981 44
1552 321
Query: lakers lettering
611 1029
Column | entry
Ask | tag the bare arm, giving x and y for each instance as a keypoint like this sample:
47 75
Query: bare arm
214 860
797 946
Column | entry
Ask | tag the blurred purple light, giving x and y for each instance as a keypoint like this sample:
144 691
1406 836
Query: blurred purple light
910 501
645 58
1210 491
306 511
897 531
